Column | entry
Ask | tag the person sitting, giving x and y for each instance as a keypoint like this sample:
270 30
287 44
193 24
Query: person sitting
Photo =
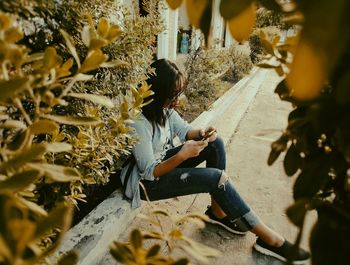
167 171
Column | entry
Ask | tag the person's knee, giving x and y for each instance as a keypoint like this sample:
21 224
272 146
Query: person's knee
218 143
223 180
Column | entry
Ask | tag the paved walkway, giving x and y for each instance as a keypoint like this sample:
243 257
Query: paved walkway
266 189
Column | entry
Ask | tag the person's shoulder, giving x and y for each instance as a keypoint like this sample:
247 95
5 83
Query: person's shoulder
141 121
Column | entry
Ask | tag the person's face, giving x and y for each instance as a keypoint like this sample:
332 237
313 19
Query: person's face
175 100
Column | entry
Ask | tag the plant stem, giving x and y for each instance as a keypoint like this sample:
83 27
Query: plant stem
19 105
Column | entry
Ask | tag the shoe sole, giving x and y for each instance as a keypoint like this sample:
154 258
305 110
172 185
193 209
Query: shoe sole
228 228
268 252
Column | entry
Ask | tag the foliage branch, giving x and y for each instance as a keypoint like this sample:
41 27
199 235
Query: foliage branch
315 68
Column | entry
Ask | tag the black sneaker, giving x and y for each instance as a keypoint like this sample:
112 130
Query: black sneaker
226 223
283 252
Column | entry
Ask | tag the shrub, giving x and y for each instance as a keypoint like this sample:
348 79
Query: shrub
204 69
241 65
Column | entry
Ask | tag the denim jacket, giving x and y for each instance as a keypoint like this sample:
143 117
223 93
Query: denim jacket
153 143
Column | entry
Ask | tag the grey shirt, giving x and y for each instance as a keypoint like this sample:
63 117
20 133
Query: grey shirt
151 148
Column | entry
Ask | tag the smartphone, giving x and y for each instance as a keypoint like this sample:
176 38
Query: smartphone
207 135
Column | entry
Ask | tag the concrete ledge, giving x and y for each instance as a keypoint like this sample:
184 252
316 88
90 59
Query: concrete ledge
94 234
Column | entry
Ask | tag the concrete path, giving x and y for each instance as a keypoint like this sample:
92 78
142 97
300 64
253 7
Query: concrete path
254 119
248 117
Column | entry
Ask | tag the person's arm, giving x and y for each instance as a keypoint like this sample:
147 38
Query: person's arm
188 150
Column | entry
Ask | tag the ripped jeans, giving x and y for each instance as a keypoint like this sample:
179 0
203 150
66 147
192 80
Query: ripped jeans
187 179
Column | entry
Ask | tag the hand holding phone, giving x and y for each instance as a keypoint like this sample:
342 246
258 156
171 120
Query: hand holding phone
208 134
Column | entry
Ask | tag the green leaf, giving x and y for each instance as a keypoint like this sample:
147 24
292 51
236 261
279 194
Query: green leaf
276 148
34 152
69 258
292 161
87 121
232 8
101 100
313 177
56 172
19 181
297 212
44 127
136 239
9 88
71 47
59 217
342 91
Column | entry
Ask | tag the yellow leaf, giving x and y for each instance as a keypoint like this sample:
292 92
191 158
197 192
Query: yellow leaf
58 147
56 172
195 10
307 74
241 26
13 35
101 100
174 3
70 45
34 152
97 43
103 27
51 59
9 88
19 181
114 32
5 21
13 124
44 127
73 120
93 61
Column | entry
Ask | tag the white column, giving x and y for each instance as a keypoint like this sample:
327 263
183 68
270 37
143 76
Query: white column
228 39
163 38
217 22
173 30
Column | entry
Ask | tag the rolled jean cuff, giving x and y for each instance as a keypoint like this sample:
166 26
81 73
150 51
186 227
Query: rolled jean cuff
248 221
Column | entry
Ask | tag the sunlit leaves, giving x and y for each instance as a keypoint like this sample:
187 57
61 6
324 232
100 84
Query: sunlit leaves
93 98
71 47
241 25
83 121
19 181
174 3
195 10
232 8
297 212
9 88
307 60
19 230
94 59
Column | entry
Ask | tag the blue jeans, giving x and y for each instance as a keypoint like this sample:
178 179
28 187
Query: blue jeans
187 179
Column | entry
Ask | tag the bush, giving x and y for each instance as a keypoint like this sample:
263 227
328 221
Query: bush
241 65
204 69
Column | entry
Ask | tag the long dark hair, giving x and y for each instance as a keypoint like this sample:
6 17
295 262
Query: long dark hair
167 82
